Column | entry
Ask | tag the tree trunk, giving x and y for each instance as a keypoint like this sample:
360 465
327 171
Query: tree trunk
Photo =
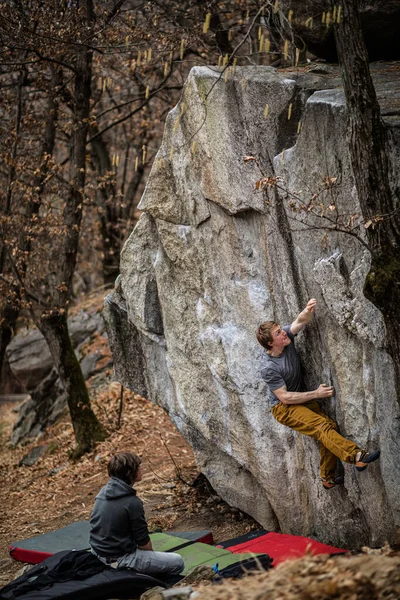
370 162
87 428
53 322
130 198
221 34
109 213
8 318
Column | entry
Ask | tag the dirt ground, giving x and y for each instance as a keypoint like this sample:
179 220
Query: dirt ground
55 491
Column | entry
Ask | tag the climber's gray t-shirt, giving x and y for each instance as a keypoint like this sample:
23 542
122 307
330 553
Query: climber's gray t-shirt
282 370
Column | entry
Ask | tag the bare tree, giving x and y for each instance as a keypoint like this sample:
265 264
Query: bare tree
49 305
368 144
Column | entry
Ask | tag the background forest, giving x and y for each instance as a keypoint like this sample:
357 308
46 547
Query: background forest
86 87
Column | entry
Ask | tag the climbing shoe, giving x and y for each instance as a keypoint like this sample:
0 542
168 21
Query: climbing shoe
331 483
366 458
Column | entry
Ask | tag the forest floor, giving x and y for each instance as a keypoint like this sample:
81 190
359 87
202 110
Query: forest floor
55 491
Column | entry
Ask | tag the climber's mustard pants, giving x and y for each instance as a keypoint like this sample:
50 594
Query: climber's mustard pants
310 420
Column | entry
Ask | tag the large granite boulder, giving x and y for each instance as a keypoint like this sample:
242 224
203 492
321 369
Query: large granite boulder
211 258
380 21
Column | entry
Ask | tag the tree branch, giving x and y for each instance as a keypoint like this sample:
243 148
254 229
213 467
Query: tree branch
56 61
133 112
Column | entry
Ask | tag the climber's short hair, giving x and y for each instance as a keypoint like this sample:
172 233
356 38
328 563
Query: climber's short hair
264 335
124 465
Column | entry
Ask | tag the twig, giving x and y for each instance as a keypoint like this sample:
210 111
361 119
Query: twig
103 408
120 407
133 112
148 462
336 227
22 285
178 470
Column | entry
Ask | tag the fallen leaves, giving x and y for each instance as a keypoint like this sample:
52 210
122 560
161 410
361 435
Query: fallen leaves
55 491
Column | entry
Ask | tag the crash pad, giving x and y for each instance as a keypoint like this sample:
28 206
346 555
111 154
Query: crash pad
202 554
280 546
246 537
76 537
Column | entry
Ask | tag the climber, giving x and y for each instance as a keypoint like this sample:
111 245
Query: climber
298 409
119 536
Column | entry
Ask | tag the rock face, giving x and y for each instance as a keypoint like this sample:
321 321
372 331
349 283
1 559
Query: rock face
210 259
380 21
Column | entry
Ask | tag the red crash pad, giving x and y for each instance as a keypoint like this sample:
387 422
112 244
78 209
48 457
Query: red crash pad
281 546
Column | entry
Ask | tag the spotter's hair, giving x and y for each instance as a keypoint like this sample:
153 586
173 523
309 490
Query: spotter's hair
264 335
124 465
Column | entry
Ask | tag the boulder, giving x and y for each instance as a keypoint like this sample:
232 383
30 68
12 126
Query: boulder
380 21
29 357
33 456
211 258
46 404
32 366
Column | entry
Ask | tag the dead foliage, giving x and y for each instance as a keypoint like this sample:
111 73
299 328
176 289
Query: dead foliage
56 491
343 577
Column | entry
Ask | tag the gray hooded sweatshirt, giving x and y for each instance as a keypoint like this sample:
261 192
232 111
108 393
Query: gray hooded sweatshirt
117 524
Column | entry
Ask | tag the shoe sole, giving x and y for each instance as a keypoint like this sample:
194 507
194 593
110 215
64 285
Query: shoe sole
373 457
328 485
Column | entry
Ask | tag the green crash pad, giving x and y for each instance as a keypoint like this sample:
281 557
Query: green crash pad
163 542
202 554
